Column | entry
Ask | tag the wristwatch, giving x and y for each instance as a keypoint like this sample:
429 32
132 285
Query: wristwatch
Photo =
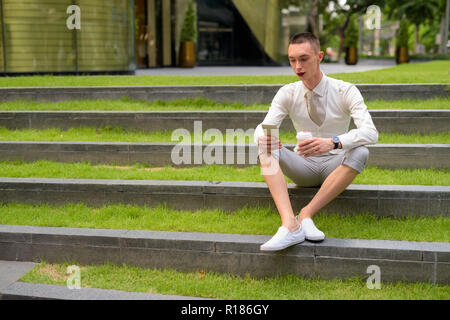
336 142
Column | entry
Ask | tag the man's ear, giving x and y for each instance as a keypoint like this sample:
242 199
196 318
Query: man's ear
321 54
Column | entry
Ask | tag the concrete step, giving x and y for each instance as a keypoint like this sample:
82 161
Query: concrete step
391 156
11 271
386 121
229 253
381 200
248 94
35 291
11 289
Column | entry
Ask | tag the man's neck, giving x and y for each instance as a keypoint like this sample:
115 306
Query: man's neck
312 83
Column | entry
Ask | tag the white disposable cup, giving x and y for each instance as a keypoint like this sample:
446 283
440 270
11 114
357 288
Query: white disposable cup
303 135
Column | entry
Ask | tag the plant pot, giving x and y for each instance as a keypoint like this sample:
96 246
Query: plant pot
402 55
187 58
351 56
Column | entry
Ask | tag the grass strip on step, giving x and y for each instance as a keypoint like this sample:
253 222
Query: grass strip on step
427 72
194 104
260 221
225 286
117 134
84 170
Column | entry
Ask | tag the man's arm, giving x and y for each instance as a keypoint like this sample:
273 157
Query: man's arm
365 132
277 112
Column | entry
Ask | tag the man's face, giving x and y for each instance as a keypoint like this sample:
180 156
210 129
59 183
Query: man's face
304 60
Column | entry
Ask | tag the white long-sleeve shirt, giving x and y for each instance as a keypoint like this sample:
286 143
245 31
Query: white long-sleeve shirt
340 101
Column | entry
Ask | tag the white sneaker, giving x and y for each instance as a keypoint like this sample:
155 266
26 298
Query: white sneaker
283 239
311 232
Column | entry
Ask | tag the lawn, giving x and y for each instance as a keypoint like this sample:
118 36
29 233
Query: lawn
51 169
116 134
127 104
428 72
225 286
261 221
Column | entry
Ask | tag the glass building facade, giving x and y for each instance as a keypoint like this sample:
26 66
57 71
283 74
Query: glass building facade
108 36
230 32
42 36
225 36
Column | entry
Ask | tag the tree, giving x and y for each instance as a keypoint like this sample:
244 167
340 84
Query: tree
339 15
351 41
189 30
352 33
401 51
312 20
416 11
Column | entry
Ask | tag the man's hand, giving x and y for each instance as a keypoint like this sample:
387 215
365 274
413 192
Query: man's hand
314 147
269 143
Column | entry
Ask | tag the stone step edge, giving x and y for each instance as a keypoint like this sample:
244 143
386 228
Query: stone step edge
380 200
406 122
179 113
215 184
36 291
228 253
390 156
415 84
251 148
254 93
172 144
224 242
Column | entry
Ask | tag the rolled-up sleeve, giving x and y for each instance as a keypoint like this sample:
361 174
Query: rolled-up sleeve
277 112
365 132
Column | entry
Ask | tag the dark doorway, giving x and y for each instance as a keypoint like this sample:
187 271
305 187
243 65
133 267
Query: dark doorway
224 37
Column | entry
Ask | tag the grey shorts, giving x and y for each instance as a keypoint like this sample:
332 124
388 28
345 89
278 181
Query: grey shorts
312 171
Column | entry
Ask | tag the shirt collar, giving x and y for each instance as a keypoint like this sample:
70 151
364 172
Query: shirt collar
321 87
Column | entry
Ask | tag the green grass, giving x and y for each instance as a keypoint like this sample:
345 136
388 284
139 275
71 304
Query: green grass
153 80
434 103
261 221
116 134
127 104
225 286
428 72
50 169
417 138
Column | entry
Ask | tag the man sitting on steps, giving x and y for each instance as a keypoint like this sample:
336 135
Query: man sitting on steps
331 159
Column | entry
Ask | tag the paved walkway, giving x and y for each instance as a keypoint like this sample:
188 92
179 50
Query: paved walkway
10 288
11 271
328 68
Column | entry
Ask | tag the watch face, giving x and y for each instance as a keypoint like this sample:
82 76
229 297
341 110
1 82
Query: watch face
335 139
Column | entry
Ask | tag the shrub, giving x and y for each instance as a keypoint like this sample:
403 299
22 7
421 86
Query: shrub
352 33
189 30
403 34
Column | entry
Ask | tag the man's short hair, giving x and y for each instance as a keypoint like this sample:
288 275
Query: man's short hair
303 37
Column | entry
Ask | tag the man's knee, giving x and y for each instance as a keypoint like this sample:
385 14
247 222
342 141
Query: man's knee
357 158
361 153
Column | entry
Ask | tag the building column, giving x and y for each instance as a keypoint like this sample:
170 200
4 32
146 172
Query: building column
166 33
151 30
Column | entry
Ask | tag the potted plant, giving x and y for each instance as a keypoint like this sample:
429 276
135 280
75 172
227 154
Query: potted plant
351 42
401 52
188 38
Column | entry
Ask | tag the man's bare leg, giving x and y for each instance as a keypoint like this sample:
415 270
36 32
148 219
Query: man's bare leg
333 185
278 189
